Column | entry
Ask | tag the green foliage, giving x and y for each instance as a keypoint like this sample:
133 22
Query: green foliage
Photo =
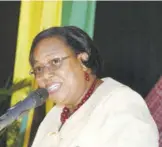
11 133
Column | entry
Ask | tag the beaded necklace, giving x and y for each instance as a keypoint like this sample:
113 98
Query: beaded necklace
66 112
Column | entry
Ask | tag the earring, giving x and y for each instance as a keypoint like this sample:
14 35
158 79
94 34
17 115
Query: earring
86 76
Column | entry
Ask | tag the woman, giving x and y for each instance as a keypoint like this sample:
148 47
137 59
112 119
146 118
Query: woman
89 112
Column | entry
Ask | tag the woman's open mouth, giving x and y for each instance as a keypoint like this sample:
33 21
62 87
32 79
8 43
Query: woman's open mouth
53 88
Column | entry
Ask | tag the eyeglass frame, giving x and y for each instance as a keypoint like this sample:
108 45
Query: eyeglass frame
50 65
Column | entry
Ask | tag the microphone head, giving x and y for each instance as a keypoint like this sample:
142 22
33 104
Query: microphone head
40 95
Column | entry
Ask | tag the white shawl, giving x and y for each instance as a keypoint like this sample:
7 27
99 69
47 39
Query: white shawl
114 116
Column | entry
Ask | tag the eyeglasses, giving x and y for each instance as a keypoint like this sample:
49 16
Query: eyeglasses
52 65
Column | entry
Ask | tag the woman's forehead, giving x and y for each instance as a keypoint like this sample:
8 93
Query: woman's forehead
53 45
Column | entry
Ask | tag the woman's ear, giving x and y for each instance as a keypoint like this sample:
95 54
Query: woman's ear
83 57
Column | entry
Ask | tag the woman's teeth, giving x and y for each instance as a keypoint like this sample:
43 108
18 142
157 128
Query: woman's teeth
54 87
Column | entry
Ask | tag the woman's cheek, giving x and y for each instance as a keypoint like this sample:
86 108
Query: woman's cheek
40 84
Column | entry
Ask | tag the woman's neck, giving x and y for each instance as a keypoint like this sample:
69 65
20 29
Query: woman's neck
89 85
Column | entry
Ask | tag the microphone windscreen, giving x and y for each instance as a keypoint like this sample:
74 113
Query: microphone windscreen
40 95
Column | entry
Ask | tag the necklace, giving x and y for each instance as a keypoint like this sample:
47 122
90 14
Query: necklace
66 112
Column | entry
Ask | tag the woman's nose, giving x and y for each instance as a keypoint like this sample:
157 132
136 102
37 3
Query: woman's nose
47 72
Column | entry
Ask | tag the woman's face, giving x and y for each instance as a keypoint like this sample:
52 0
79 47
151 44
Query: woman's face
65 84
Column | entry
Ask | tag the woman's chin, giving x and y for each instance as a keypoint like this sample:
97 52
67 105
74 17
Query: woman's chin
57 95
56 98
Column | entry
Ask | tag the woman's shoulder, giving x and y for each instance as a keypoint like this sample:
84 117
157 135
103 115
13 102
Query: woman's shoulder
118 93
110 83
115 88
123 99
111 87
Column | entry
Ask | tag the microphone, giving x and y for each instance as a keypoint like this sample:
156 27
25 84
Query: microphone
33 100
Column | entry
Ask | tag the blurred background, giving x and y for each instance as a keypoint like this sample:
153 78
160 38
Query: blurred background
128 35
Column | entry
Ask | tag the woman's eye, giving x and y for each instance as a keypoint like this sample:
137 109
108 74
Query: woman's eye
56 61
38 69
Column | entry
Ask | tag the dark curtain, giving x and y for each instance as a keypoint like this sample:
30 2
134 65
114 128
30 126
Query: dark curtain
9 15
129 37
